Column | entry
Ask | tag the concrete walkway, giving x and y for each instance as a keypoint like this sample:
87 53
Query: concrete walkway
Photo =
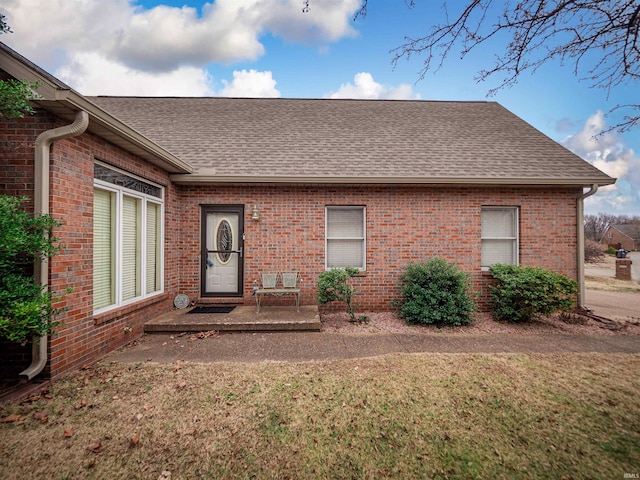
315 346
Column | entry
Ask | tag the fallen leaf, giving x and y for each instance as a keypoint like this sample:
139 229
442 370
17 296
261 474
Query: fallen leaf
133 441
234 431
68 433
41 416
181 385
11 418
94 447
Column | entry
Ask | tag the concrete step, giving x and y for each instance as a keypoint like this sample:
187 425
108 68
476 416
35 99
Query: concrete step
242 319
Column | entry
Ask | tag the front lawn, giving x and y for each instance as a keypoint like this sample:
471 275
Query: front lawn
399 416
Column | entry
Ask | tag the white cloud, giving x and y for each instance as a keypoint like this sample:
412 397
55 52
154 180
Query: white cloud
365 87
164 38
609 153
250 84
92 74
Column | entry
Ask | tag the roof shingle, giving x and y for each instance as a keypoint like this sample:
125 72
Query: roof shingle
369 140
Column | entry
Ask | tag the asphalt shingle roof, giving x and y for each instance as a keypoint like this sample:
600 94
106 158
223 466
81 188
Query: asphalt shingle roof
365 139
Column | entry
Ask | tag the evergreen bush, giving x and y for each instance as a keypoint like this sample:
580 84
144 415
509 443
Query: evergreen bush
520 293
436 292
26 309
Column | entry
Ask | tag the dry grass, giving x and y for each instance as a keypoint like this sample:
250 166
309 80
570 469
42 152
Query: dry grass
610 284
400 416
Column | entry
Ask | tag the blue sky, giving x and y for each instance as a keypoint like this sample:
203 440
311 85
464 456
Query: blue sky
270 48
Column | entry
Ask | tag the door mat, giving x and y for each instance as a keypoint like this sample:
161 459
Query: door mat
213 309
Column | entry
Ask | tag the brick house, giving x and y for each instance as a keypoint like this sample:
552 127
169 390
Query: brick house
626 236
161 196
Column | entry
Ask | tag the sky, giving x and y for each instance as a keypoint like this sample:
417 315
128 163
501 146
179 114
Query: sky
271 48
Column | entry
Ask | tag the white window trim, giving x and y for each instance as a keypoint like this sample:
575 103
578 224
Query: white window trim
363 238
119 193
516 239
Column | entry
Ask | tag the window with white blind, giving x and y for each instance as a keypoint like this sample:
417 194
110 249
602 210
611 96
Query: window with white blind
499 236
345 244
127 248
104 228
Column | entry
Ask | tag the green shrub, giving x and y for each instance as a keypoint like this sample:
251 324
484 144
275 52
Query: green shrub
436 292
15 96
335 285
522 293
26 309
611 251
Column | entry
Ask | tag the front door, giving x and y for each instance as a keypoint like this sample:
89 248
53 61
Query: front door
222 244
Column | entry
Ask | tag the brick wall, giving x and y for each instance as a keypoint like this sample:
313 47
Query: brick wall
404 224
17 139
81 338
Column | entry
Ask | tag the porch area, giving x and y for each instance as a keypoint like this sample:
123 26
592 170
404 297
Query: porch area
242 318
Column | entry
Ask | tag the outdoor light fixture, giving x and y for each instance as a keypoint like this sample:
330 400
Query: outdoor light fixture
254 213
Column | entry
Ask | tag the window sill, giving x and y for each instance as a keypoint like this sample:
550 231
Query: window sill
105 317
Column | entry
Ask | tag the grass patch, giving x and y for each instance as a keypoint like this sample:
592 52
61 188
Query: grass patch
399 416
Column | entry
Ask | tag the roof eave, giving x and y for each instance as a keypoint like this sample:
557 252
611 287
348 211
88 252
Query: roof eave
198 179
157 155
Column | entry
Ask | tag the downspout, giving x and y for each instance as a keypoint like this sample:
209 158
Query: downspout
41 207
580 225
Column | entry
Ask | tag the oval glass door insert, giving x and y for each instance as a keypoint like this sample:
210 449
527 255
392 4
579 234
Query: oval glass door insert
224 241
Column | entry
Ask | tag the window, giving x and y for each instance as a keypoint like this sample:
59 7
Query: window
345 237
499 236
127 240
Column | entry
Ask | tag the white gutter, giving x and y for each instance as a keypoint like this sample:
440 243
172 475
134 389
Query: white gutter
580 228
41 207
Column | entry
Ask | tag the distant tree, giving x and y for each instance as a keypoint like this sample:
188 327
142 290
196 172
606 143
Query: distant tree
599 38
